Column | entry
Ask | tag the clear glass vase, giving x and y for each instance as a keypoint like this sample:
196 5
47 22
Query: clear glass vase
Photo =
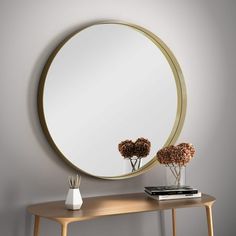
133 164
175 175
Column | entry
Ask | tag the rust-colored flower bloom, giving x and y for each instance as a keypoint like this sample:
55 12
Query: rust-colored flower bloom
175 157
179 155
189 147
126 148
142 147
164 155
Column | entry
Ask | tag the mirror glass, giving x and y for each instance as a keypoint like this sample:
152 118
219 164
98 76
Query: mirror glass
107 83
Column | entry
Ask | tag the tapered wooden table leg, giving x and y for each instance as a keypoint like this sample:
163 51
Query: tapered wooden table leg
36 225
64 229
209 220
174 221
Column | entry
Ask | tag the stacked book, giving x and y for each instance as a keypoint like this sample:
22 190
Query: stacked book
171 192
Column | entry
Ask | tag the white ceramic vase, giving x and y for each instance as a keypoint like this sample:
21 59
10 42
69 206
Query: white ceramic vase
74 200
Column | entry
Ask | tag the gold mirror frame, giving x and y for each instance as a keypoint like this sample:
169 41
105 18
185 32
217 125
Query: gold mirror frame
181 96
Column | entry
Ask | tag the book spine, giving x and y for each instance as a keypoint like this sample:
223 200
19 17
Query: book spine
179 196
172 192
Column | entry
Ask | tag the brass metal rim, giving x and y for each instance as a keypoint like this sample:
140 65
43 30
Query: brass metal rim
180 86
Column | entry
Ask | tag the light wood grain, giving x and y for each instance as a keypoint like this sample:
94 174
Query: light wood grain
64 229
209 219
36 225
94 207
174 221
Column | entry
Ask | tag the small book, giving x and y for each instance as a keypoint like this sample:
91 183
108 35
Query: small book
170 190
174 197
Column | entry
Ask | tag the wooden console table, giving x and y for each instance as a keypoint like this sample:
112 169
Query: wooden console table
95 207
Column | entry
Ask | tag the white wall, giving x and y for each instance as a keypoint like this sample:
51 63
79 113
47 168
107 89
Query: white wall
202 36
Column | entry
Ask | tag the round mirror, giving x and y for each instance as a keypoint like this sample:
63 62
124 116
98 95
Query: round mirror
105 84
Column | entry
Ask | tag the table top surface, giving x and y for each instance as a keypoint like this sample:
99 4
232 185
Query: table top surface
94 207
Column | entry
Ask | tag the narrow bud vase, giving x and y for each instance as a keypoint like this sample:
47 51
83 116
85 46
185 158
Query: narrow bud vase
73 200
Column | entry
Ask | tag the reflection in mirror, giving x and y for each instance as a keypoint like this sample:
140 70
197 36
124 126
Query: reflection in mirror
135 151
108 83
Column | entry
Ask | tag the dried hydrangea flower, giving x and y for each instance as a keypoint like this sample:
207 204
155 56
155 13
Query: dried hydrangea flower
188 146
142 147
164 155
174 157
179 155
126 148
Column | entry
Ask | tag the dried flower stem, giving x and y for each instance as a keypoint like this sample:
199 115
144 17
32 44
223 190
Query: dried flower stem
172 170
176 171
135 163
74 181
